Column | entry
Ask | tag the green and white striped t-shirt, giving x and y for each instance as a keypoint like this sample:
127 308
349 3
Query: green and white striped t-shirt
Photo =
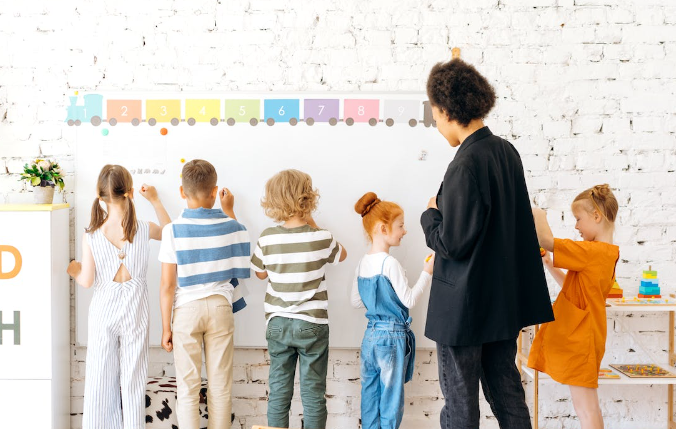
296 259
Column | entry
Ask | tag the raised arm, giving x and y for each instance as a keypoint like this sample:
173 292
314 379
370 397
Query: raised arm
544 232
150 193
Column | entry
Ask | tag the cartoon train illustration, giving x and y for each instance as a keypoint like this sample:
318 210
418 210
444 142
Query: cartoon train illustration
90 108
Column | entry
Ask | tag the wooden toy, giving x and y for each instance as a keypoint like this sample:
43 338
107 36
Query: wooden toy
643 371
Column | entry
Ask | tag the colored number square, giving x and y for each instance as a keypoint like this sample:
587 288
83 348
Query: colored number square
281 110
362 110
163 110
123 110
242 110
202 110
402 110
321 110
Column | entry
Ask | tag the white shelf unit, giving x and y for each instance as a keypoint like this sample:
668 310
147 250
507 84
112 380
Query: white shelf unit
537 376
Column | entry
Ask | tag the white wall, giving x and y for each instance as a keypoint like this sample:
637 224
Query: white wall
586 92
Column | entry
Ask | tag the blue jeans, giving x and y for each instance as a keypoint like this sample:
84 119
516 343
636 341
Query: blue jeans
383 367
461 368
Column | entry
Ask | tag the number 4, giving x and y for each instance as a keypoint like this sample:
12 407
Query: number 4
203 110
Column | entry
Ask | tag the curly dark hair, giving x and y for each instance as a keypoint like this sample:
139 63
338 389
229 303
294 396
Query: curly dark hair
460 91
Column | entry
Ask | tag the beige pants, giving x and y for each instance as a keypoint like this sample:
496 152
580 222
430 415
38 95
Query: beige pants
207 321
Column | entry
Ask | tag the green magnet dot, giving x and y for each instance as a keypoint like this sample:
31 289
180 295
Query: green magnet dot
104 131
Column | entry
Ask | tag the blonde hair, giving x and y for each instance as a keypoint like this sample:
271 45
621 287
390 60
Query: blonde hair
601 199
114 184
289 193
373 210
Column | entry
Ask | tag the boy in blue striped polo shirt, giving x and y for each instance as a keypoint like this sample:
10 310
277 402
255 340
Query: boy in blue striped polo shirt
204 252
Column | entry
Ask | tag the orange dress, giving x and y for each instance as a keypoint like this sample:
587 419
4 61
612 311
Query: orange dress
571 347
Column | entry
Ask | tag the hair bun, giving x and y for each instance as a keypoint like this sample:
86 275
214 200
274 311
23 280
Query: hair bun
366 203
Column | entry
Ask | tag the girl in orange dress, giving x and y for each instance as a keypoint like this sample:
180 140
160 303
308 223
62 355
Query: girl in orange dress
571 347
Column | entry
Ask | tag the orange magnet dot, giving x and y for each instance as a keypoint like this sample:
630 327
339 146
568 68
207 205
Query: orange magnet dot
164 131
542 251
182 159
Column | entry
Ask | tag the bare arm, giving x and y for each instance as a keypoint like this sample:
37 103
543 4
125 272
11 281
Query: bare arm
167 290
150 193
83 272
544 232
263 275
557 273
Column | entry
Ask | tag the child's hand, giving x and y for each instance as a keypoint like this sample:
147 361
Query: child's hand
227 200
432 204
547 260
74 269
428 266
167 341
149 192
539 213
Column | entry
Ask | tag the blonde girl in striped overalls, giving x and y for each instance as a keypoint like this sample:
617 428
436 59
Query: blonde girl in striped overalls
115 262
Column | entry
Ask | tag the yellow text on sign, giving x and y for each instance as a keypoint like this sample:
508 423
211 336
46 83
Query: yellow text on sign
163 110
203 110
17 262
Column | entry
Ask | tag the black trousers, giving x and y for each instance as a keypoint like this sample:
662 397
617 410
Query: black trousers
460 370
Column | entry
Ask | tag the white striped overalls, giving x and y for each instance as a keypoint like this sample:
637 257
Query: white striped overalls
117 349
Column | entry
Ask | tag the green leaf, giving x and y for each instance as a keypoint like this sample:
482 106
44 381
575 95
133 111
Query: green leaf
35 181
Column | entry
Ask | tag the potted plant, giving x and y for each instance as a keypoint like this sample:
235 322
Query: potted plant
43 175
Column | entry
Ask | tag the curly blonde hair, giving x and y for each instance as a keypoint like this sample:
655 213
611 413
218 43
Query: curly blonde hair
289 193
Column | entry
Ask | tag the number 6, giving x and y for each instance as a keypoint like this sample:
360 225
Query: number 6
281 111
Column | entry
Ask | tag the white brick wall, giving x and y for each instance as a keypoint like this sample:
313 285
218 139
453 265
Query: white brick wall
587 92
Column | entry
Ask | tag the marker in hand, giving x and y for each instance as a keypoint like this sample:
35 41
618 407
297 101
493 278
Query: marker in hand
428 257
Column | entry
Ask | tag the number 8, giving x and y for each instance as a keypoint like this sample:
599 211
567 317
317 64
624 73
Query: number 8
360 111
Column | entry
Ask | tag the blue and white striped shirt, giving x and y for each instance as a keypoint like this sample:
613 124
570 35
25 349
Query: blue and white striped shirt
211 251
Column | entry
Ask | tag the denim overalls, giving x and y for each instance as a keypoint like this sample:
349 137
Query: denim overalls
387 353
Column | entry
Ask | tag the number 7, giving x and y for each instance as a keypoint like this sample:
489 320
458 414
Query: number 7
321 109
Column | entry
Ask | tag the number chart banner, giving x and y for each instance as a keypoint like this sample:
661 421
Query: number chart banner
112 109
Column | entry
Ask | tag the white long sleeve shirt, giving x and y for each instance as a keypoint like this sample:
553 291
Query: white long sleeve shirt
370 266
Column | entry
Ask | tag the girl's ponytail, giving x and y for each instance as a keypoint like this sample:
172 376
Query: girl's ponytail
98 217
129 221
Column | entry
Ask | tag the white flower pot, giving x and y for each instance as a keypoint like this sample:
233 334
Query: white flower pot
43 194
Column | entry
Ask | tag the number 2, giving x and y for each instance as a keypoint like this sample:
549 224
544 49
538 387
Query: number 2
124 111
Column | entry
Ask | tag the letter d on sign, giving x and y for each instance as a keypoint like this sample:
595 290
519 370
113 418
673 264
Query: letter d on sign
17 262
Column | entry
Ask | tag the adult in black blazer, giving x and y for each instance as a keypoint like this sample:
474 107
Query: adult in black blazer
488 279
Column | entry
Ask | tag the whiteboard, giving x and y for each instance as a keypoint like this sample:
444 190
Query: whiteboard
344 162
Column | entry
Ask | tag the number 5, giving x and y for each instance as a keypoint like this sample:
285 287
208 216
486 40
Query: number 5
242 112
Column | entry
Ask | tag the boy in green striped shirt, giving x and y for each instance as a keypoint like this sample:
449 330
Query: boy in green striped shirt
293 257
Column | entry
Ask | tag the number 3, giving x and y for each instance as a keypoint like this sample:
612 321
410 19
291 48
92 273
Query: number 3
163 110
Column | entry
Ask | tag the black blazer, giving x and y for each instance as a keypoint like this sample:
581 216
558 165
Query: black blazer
488 279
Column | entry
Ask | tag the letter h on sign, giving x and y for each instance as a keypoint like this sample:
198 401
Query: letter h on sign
16 327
